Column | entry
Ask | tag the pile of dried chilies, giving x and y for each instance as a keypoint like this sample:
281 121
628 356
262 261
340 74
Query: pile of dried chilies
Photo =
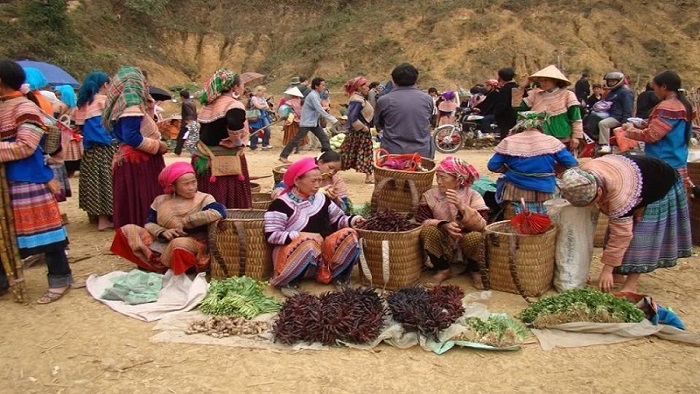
388 221
427 312
349 315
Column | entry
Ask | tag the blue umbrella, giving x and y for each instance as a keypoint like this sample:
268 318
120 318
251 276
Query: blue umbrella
54 74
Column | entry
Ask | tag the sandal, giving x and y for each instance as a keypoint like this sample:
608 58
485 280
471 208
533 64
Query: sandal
49 296
284 160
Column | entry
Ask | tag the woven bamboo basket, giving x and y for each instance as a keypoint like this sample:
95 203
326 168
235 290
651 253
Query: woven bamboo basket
400 196
278 173
520 264
694 207
238 246
261 200
599 237
254 187
405 258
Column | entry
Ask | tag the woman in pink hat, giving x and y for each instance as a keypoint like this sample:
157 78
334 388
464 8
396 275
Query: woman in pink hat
175 233
311 235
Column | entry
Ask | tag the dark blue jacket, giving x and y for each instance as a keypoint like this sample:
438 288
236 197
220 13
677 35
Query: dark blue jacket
622 99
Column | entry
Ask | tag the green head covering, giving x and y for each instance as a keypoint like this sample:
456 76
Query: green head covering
128 88
221 81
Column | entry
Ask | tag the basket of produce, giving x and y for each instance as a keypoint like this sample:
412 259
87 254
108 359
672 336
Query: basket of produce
261 200
238 246
517 263
404 170
601 228
694 174
391 255
278 173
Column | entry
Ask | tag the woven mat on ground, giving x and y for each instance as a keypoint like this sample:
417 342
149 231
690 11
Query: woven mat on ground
173 326
179 293
589 334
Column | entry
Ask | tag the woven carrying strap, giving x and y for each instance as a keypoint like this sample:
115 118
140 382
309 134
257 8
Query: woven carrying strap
242 248
386 263
214 246
512 250
391 182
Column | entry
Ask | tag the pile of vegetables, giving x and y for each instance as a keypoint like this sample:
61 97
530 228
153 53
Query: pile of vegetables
238 296
580 305
226 326
388 221
498 331
349 315
337 140
427 312
364 209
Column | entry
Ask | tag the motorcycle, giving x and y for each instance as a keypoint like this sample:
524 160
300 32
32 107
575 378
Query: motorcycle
464 133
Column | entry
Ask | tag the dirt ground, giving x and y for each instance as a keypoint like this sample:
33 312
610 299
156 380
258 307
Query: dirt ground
79 345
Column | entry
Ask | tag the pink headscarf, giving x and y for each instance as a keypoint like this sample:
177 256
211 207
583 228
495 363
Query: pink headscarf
465 173
352 85
299 168
169 175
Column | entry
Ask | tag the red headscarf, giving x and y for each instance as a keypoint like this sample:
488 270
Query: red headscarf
299 168
169 175
352 85
465 173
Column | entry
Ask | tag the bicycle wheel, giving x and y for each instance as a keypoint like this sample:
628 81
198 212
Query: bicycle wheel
447 139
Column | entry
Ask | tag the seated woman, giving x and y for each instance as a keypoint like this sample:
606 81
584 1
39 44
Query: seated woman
527 160
311 236
331 184
175 234
453 217
649 224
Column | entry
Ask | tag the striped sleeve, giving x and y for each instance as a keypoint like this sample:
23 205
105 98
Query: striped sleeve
276 228
27 141
337 216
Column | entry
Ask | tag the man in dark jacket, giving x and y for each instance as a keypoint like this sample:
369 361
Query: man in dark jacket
189 115
646 101
582 88
505 113
621 100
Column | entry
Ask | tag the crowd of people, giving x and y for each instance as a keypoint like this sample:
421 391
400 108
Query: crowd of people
161 212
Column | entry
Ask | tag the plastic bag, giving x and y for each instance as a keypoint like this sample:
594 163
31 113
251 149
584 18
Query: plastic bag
574 243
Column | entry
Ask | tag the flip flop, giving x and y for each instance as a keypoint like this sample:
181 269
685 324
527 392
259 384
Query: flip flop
285 161
49 296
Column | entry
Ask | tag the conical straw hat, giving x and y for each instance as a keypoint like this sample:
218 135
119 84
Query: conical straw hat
551 71
294 91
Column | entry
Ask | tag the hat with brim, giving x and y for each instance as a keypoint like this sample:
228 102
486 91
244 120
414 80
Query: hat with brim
551 72
447 106
295 81
294 91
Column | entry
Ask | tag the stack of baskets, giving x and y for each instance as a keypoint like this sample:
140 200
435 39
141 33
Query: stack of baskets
238 246
401 190
278 173
520 264
390 260
261 200
694 173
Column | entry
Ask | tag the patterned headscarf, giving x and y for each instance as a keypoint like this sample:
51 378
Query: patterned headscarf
352 85
578 187
222 80
34 78
171 173
67 95
465 173
128 88
530 120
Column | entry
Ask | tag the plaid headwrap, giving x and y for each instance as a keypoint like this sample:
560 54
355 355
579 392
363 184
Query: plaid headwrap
578 187
530 120
222 79
352 85
128 88
465 173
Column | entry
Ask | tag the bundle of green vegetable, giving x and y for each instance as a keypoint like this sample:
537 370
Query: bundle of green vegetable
498 331
337 140
238 296
581 305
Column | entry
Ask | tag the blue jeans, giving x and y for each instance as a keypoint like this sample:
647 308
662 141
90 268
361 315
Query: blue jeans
266 134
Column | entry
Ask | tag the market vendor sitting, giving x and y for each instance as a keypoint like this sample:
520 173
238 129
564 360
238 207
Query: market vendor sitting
175 233
332 185
453 218
311 235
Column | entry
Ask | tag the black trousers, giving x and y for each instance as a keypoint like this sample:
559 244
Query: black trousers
317 131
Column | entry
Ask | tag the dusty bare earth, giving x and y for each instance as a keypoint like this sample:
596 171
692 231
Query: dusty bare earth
78 345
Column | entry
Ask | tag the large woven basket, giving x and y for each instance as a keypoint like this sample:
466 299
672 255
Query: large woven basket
599 237
405 258
694 174
278 173
520 264
238 246
400 197
261 200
